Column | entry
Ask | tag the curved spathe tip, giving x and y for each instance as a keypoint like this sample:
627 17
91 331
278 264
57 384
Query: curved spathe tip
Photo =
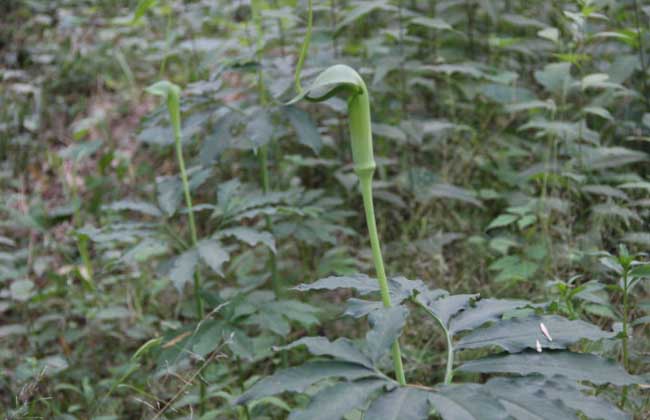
333 80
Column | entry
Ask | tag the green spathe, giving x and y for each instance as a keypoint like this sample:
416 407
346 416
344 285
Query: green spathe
344 79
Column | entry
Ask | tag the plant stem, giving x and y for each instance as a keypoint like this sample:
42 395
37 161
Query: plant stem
305 47
263 152
449 369
626 311
175 117
365 179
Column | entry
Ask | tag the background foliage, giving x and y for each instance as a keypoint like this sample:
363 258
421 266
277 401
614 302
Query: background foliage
511 142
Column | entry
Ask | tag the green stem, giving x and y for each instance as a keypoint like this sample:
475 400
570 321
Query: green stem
263 153
626 311
449 369
365 179
175 116
305 47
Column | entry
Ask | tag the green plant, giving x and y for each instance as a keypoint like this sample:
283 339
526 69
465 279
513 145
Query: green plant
343 79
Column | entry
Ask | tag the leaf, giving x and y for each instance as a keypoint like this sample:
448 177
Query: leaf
402 403
359 282
363 9
139 206
251 236
297 379
484 310
517 334
342 349
213 254
259 129
555 77
307 132
504 95
455 193
445 307
641 270
466 402
170 194
431 23
141 9
576 366
558 389
183 268
337 400
386 324
502 220
610 157
523 403
113 312
358 308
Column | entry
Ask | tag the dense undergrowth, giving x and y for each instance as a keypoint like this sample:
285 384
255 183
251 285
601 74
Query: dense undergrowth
167 213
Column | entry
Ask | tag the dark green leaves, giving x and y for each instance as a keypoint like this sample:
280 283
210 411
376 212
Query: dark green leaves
575 366
387 324
297 379
517 334
337 400
402 403
307 132
342 349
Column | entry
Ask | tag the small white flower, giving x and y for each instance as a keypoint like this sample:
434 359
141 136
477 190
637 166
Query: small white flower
538 346
545 331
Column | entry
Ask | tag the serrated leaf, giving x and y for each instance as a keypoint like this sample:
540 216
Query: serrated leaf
575 366
444 308
502 220
341 348
642 270
359 282
524 403
297 379
517 334
559 389
213 254
170 194
183 268
401 403
251 236
139 206
431 23
335 401
484 310
386 325
307 131
453 192
466 402
358 308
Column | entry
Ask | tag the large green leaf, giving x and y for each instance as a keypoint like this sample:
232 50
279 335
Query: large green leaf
387 324
359 282
466 402
213 254
334 402
524 403
445 307
183 268
305 128
559 389
297 379
576 366
515 335
484 310
341 348
402 403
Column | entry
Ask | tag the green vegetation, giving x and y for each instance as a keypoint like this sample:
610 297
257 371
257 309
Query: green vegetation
158 259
